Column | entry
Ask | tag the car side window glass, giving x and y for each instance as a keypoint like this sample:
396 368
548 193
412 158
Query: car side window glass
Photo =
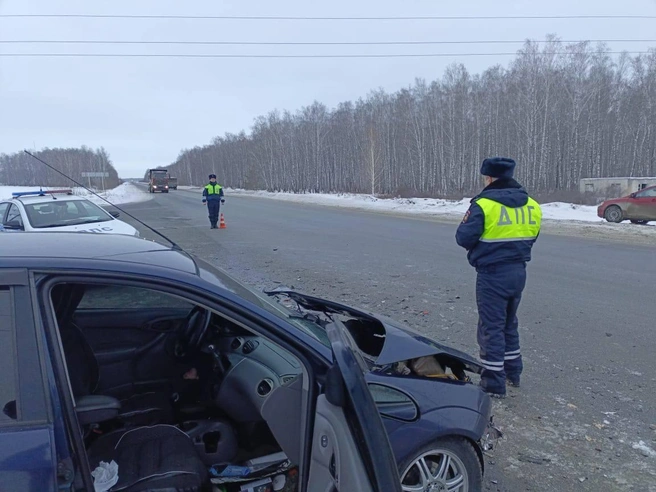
14 215
7 359
3 210
126 297
646 193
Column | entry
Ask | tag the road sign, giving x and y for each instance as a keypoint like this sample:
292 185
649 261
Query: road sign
94 175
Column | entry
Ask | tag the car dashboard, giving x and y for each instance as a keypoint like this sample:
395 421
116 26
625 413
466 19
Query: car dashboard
252 369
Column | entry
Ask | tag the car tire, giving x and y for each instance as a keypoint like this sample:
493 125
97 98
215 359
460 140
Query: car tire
613 214
424 469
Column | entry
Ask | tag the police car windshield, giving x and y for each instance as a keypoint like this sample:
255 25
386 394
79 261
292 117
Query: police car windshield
61 213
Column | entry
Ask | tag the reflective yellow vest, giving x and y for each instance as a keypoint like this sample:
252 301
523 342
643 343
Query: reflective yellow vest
503 223
213 188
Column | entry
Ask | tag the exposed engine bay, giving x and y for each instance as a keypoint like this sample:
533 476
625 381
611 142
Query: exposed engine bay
387 347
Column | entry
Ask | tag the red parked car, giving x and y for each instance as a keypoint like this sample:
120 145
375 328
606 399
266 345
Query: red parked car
639 207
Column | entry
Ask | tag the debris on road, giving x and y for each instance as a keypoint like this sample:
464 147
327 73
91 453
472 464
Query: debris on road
645 450
532 459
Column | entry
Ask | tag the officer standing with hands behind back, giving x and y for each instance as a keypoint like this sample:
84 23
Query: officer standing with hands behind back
213 197
498 232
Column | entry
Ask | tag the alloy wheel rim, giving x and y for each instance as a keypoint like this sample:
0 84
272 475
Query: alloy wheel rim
438 470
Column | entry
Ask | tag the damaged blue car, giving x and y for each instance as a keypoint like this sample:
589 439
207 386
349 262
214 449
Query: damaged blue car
134 366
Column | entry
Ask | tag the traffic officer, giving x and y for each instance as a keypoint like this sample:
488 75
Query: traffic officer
498 231
213 197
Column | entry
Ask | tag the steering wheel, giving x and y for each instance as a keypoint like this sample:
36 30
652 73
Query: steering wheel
197 322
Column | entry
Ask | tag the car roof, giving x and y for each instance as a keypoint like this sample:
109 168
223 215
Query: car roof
89 246
55 250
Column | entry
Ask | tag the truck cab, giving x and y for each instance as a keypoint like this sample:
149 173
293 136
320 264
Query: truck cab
158 180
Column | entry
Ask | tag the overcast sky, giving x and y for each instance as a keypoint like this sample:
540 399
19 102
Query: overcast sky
145 110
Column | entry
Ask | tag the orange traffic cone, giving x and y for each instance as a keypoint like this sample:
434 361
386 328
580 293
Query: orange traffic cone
222 224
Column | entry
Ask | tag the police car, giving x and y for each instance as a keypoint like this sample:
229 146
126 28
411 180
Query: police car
58 210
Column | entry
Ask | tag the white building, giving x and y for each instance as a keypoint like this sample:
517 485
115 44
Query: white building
614 187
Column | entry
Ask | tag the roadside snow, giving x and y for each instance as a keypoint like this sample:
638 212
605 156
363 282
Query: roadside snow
558 216
124 193
429 206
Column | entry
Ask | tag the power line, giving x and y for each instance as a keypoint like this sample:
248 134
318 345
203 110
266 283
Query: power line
200 55
295 18
317 43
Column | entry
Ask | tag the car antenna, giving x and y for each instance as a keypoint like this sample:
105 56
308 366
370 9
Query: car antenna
175 245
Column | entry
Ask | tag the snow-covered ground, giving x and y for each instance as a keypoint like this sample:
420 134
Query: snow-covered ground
124 193
424 206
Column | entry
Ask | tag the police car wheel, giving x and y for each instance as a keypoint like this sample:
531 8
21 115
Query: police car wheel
445 464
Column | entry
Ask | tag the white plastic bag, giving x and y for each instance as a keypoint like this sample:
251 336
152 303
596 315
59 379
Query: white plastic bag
105 476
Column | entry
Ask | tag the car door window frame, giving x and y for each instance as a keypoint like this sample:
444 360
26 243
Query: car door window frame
3 213
344 347
30 389
262 323
18 215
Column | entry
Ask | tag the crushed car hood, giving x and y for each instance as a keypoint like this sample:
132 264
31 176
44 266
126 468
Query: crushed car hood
401 342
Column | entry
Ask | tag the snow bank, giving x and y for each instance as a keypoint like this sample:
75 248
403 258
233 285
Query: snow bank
570 211
429 206
124 193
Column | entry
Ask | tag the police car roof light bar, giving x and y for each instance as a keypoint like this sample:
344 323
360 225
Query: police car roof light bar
41 193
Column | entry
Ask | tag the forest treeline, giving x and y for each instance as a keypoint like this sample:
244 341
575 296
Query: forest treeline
562 111
20 169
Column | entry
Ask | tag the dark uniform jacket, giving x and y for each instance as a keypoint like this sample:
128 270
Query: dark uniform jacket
481 254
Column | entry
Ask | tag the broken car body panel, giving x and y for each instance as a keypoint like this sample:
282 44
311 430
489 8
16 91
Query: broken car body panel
401 343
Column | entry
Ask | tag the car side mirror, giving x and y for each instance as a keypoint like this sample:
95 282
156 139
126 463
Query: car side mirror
14 225
114 213
632 195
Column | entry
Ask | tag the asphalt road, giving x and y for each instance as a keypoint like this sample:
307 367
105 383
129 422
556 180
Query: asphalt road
587 321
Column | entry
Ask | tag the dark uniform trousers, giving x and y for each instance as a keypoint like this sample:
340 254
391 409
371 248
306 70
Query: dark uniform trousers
498 293
213 207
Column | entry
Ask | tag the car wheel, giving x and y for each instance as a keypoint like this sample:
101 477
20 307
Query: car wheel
448 464
613 214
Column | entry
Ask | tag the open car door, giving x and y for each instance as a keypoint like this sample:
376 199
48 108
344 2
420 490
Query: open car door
350 447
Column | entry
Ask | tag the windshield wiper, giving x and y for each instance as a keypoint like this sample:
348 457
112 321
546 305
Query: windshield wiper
56 224
68 223
89 221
